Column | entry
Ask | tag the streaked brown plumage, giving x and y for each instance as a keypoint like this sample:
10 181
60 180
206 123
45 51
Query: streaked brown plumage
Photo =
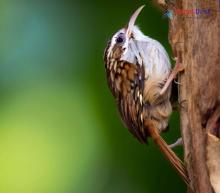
137 68
137 97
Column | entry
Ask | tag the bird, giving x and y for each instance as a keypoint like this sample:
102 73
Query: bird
139 75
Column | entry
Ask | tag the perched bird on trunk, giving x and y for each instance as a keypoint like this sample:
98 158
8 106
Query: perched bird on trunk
137 69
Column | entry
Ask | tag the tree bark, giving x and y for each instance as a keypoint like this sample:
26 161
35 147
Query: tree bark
195 40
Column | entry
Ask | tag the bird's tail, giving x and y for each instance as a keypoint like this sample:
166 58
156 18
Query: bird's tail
169 154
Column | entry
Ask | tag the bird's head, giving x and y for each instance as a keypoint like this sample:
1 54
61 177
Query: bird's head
120 45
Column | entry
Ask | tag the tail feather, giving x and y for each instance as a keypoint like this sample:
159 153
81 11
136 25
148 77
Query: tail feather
170 155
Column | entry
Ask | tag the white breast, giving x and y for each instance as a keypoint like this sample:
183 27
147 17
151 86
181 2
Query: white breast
148 52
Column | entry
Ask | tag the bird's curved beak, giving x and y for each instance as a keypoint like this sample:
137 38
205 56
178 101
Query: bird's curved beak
132 21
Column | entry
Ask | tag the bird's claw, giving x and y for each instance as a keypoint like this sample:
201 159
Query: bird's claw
177 143
178 68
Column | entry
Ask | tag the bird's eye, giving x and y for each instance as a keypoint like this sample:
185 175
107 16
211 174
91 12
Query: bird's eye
119 39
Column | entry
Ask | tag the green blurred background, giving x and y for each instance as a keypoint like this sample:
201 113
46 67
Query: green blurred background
59 128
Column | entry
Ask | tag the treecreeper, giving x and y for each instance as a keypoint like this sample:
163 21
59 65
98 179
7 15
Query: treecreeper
139 76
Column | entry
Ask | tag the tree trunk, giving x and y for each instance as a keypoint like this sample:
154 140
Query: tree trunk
195 40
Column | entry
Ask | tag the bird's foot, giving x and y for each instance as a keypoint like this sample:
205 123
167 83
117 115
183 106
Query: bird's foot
178 142
178 68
